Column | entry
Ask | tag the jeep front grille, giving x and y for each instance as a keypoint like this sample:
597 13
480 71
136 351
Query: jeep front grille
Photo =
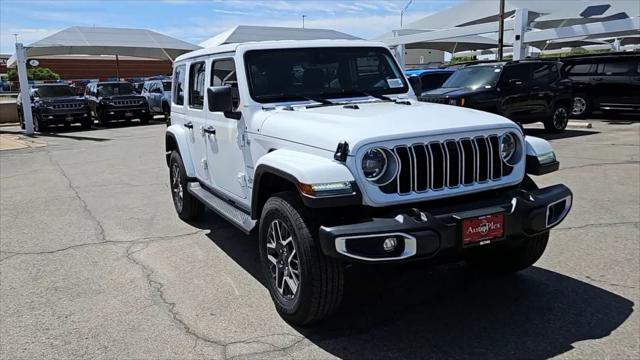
448 164
127 102
68 106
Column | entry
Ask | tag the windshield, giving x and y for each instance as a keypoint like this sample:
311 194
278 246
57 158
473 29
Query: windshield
166 85
116 89
54 91
474 77
299 74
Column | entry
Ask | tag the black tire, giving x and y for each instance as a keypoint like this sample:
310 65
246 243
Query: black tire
186 205
581 107
166 111
321 279
504 259
39 125
21 119
86 124
558 120
144 119
103 120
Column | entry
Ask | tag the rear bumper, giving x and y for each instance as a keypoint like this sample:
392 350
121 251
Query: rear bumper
422 233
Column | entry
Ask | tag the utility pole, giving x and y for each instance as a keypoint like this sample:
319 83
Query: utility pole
501 31
303 16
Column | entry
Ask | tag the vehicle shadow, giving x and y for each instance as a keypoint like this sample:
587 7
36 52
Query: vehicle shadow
421 311
568 133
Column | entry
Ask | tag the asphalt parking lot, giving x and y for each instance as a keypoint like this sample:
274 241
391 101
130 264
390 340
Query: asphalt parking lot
94 263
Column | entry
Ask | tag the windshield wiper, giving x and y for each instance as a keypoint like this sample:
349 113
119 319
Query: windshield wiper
377 96
318 99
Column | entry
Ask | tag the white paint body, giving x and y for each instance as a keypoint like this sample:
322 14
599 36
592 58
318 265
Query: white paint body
301 141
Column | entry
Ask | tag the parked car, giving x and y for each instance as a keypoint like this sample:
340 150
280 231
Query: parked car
523 91
115 100
321 148
55 104
158 95
608 83
430 78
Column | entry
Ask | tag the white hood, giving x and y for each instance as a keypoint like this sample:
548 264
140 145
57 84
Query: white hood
324 127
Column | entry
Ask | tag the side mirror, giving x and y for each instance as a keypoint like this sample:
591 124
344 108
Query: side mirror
416 84
157 91
219 98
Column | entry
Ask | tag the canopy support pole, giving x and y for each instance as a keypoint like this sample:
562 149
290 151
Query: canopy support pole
117 68
21 63
519 29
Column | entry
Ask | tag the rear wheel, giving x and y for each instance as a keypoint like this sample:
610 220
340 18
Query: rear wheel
187 206
166 111
305 285
558 120
581 107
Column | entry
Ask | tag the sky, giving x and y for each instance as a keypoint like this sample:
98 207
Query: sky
198 20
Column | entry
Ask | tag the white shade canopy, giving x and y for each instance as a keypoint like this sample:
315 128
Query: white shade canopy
79 40
245 33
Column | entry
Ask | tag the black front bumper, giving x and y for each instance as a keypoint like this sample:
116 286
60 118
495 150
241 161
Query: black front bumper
114 113
52 118
428 232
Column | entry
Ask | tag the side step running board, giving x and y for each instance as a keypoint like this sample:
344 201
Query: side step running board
234 215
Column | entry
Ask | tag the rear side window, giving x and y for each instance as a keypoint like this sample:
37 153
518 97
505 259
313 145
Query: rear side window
544 73
178 89
196 85
516 72
618 68
580 69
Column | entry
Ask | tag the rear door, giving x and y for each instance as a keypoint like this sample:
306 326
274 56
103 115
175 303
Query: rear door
544 87
515 87
617 83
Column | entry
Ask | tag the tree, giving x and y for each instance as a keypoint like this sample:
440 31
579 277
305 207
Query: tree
34 73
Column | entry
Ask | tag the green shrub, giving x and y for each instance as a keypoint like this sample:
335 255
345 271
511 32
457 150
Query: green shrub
34 73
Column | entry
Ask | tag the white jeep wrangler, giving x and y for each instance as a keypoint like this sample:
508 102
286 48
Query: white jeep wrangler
322 148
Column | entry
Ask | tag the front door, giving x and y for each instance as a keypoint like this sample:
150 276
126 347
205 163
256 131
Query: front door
515 90
224 136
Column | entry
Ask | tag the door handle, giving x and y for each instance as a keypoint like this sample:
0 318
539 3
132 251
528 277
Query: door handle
188 125
209 130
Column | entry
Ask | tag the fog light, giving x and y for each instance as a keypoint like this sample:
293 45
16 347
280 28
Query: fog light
49 117
390 244
111 112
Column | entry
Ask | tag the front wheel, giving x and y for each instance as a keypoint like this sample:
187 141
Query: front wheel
503 258
305 285
39 125
187 206
166 111
558 120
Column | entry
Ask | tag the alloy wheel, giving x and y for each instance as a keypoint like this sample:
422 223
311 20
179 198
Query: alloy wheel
283 259
579 105
560 118
176 187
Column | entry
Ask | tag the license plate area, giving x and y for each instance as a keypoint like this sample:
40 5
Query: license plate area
482 229
128 114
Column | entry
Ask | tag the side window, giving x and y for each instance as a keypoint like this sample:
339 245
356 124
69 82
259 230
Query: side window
618 68
580 69
178 89
145 87
223 73
196 85
519 72
544 73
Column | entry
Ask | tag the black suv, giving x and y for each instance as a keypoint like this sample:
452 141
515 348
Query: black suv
604 82
111 101
55 104
523 91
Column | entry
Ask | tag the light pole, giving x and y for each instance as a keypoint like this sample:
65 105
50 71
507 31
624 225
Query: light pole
403 11
501 31
303 16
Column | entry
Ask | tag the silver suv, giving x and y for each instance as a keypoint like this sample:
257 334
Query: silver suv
158 95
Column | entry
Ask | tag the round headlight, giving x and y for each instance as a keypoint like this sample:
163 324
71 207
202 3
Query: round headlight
374 163
508 147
